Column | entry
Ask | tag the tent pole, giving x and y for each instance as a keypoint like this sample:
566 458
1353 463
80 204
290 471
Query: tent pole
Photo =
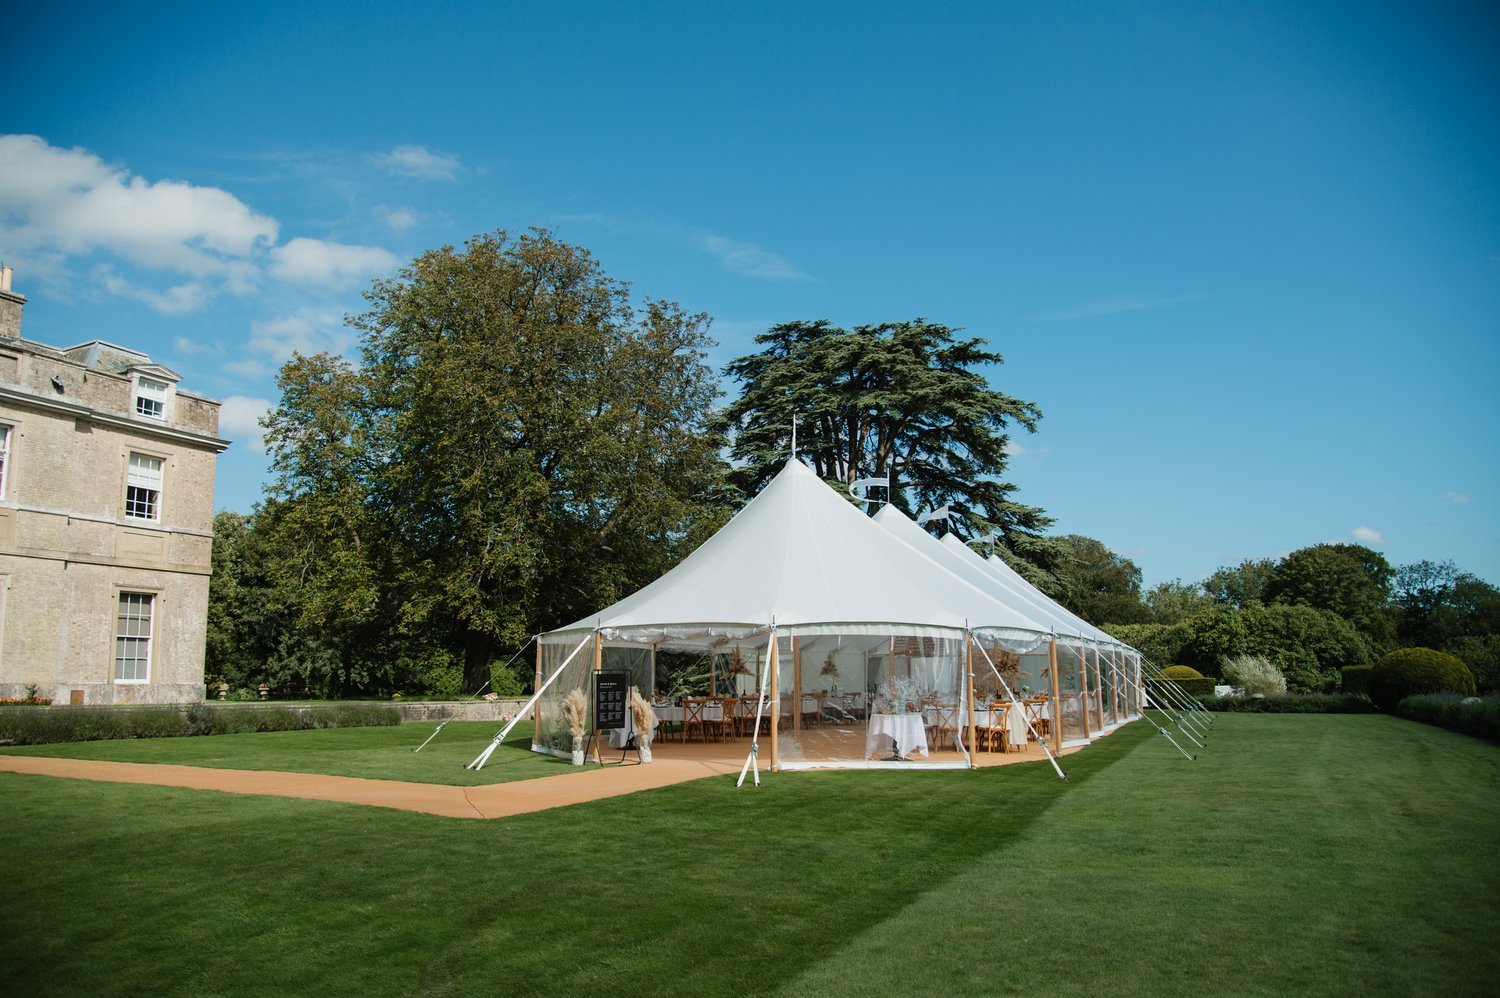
1163 731
753 759
797 687
1056 725
1083 687
536 697
536 712
969 675
1171 715
1098 686
775 667
1016 705
598 668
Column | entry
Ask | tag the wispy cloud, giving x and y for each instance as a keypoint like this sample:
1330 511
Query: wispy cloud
178 300
308 331
740 257
1368 535
396 219
239 419
419 161
1456 497
1116 305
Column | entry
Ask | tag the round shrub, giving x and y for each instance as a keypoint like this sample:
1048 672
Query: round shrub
1181 672
1411 671
1355 679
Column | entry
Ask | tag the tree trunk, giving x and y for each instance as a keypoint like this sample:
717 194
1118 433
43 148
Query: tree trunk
478 654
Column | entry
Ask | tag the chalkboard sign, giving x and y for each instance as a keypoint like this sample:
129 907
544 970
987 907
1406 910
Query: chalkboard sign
610 690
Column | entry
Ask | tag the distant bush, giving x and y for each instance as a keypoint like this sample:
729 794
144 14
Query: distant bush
1253 674
49 725
1291 703
1467 715
1412 671
1191 687
1181 672
1481 653
1355 679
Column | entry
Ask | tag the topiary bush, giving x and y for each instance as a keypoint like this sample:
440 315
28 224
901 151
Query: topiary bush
1411 671
1355 679
1291 703
1253 674
1181 672
48 725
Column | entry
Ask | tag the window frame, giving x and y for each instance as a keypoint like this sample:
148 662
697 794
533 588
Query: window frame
160 490
148 640
7 441
151 391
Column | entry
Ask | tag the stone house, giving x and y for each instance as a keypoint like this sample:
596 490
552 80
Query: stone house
106 521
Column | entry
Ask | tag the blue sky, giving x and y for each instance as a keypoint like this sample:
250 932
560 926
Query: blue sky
1245 256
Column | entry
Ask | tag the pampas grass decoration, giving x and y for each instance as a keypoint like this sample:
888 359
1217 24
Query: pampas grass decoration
642 713
830 667
575 711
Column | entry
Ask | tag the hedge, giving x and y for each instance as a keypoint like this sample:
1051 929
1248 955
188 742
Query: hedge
1467 715
1192 687
47 725
1291 703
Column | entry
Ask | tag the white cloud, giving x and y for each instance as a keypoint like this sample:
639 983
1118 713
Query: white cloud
1116 305
306 332
239 418
396 219
1367 535
248 368
56 203
313 261
1456 497
749 259
419 161
178 300
1014 449
182 344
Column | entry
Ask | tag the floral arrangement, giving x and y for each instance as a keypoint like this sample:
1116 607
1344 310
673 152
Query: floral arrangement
575 711
642 714
830 667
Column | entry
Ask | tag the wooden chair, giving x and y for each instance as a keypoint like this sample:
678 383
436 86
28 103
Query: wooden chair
994 734
692 717
943 729
721 721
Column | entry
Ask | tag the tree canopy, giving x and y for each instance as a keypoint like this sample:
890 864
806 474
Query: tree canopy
1101 586
520 443
904 399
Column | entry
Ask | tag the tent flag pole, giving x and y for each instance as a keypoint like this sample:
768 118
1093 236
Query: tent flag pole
477 693
753 760
1034 733
484 756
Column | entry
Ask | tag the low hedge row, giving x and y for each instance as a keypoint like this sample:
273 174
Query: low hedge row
1467 715
43 726
1291 703
1192 687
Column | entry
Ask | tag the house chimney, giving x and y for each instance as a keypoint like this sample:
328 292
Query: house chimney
10 308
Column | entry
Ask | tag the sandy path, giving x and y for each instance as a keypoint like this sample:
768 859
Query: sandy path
498 800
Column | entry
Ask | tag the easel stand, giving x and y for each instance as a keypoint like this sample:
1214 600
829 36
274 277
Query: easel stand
629 747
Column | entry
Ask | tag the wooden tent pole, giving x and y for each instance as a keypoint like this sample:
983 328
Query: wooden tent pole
1056 700
775 666
1083 690
797 686
598 668
1099 688
536 711
969 672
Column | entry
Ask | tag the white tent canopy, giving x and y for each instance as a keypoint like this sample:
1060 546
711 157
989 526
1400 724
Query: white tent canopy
801 557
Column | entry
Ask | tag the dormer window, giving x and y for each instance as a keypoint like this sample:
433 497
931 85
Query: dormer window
151 398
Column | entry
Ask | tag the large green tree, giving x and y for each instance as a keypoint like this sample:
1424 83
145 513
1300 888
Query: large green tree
1437 604
904 399
1240 585
539 440
1101 586
1349 580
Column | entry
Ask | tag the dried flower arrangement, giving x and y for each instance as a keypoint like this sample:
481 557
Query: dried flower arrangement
575 711
830 667
737 666
642 714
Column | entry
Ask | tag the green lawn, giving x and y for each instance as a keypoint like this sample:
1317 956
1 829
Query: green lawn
1301 854
371 753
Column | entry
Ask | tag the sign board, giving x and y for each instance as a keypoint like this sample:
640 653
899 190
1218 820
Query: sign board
610 691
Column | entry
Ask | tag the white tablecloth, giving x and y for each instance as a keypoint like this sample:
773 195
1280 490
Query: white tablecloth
1015 723
906 730
619 737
